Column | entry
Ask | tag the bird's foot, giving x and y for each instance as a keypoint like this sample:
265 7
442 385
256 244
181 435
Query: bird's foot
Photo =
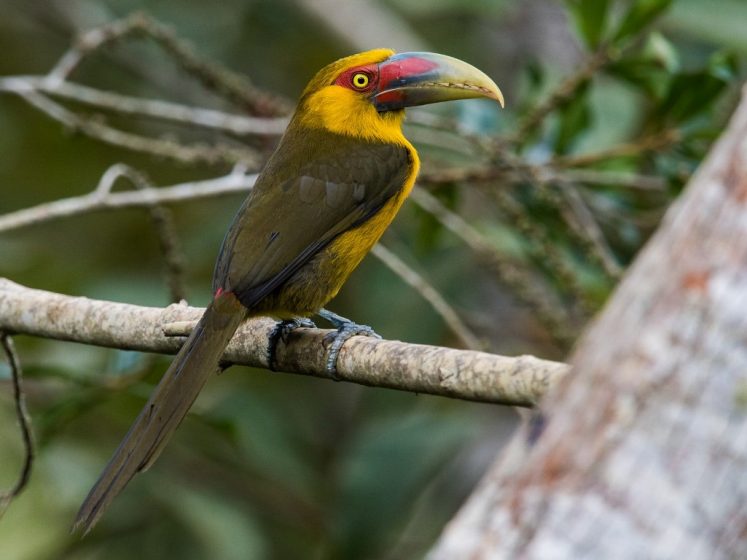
281 332
346 329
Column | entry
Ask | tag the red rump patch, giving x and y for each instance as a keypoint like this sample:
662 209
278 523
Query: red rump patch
218 292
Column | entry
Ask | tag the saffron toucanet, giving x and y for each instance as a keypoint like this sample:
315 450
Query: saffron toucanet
335 182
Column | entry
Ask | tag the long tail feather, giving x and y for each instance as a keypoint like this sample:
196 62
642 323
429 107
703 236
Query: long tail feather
168 405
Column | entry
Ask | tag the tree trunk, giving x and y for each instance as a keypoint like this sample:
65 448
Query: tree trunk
642 450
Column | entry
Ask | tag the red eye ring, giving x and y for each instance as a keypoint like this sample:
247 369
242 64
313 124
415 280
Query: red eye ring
360 79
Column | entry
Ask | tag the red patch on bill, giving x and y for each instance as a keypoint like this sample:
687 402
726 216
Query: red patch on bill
394 72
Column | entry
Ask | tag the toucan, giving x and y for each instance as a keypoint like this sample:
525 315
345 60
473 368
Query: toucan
337 178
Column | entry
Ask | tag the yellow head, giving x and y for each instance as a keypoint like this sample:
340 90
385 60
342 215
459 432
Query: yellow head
364 95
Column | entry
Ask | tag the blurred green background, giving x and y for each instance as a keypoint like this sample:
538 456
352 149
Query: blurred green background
280 466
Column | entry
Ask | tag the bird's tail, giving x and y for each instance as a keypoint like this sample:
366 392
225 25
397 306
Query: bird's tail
197 360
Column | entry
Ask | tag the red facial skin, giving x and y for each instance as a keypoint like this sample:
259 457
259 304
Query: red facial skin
387 77
346 78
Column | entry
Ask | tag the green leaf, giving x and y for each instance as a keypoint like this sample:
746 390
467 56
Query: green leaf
590 17
575 118
724 65
640 14
642 74
661 51
692 94
650 70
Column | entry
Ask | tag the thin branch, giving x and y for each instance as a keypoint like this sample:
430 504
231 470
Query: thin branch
609 179
236 182
651 143
240 125
550 314
477 174
577 217
24 422
463 374
514 170
163 223
590 232
545 250
430 294
197 153
213 76
561 95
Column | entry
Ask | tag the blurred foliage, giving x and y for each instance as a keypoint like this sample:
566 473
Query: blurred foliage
277 466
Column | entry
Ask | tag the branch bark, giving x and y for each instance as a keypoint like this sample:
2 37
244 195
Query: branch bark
464 374
644 448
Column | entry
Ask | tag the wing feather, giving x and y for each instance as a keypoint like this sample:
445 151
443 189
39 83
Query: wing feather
300 203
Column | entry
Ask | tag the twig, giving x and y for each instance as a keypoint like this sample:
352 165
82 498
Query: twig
461 174
165 148
514 170
463 374
566 199
24 422
545 251
652 143
609 179
240 125
549 313
430 294
236 182
590 232
163 223
213 76
579 221
560 95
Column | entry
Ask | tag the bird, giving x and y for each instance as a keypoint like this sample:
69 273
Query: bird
339 175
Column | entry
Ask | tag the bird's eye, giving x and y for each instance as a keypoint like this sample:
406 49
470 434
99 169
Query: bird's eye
360 80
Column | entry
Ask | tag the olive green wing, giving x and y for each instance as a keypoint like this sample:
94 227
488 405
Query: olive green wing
286 220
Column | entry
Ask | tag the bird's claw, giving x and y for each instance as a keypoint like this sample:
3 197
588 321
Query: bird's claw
334 341
280 332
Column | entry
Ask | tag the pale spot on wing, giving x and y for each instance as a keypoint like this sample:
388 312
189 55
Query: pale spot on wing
336 194
359 192
310 190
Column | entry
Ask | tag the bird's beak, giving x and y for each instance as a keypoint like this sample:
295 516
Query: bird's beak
420 78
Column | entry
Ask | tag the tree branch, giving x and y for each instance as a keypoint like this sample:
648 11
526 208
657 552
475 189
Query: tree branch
549 310
234 86
241 125
163 223
464 374
24 421
185 153
235 182
430 294
641 452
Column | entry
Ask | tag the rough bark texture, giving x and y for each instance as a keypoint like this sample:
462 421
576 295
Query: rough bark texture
464 374
644 448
